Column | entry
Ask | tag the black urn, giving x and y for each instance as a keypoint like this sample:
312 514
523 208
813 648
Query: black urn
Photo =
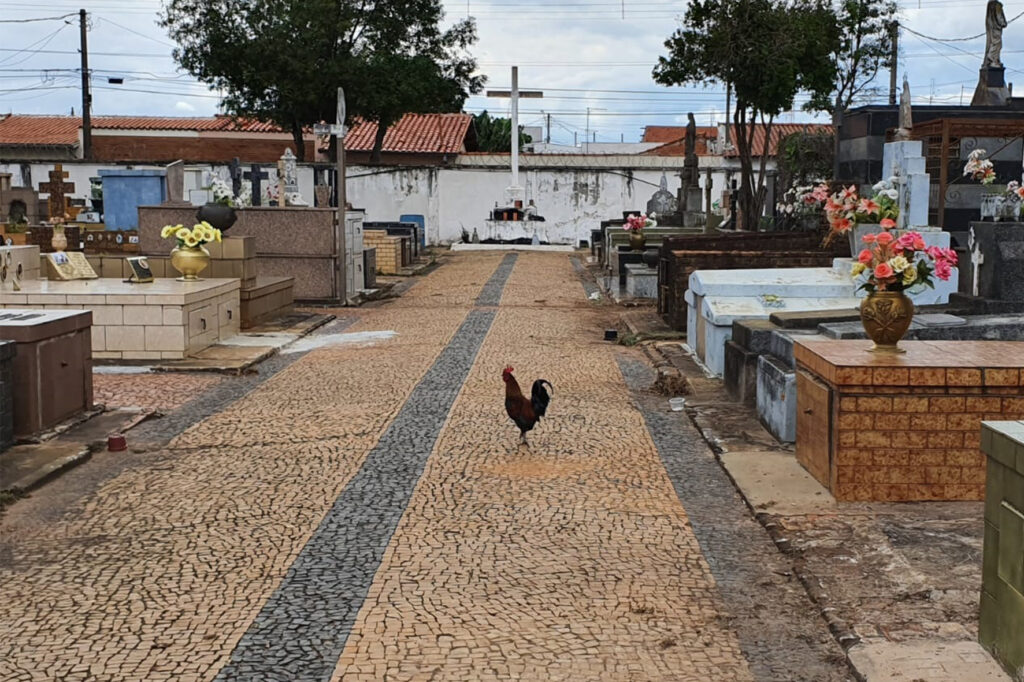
218 215
650 258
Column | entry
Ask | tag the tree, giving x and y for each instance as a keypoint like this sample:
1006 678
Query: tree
495 134
768 51
864 49
282 61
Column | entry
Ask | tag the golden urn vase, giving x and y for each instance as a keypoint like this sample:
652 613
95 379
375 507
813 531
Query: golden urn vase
637 240
190 261
886 316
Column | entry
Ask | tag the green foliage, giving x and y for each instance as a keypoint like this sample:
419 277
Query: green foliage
283 60
804 158
768 51
864 49
495 134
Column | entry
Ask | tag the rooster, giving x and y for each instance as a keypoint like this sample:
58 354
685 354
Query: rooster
525 413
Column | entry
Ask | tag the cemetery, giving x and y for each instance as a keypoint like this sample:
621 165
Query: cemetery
821 422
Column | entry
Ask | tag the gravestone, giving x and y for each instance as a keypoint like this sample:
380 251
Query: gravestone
256 175
69 265
57 203
175 179
662 203
903 159
322 195
995 268
287 176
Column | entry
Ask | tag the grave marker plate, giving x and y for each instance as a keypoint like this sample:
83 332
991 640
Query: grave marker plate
69 265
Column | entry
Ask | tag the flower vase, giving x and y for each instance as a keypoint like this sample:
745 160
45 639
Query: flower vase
886 316
59 241
637 240
856 235
218 216
190 261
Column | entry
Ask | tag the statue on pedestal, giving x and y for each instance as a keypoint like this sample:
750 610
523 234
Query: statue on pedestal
906 120
995 22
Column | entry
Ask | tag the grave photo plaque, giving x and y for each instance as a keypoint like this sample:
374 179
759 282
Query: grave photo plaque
69 265
141 274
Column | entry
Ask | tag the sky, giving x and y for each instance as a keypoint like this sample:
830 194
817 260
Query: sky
595 54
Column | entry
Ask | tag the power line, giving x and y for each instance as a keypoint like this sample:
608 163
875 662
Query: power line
29 21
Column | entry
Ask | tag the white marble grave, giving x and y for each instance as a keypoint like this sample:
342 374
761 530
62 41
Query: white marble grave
904 160
641 281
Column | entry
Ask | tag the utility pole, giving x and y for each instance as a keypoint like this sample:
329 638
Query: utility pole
548 136
86 95
894 36
339 132
728 97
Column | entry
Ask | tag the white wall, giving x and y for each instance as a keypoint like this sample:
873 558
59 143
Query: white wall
455 199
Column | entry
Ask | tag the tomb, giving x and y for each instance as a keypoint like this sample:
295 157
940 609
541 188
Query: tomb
994 265
161 320
17 264
7 350
314 262
1002 606
51 372
641 281
898 428
124 191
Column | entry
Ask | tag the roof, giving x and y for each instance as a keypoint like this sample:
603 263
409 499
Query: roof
779 131
26 130
664 134
414 133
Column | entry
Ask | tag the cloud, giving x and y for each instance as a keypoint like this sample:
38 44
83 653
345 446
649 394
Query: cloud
184 106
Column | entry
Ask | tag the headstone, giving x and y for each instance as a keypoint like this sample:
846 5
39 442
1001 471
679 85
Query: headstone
662 203
69 265
904 160
256 175
287 175
175 179
322 195
57 203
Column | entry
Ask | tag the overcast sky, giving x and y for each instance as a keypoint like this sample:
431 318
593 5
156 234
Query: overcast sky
581 53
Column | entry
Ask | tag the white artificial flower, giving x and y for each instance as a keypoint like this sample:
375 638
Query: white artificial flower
892 194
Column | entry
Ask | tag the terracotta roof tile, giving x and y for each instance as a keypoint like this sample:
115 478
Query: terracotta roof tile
18 130
665 134
414 133
779 131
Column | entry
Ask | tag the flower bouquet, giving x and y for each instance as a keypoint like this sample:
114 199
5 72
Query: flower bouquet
635 225
978 168
886 269
846 209
189 256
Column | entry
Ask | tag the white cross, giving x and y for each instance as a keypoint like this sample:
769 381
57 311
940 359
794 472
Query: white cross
977 260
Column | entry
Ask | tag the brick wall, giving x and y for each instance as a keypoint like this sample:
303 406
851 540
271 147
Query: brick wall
677 266
250 149
389 250
7 349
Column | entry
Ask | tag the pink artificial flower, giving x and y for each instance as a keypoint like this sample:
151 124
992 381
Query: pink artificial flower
865 256
870 238
888 223
867 206
842 225
849 193
883 238
883 271
943 270
950 256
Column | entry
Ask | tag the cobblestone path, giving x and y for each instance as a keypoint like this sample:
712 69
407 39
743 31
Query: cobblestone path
365 513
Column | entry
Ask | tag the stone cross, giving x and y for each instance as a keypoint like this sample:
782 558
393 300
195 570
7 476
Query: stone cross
977 260
256 175
235 171
57 203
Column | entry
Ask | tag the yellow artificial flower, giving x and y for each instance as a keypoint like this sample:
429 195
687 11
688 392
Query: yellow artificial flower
191 241
899 263
909 276
217 235
167 231
182 233
858 268
208 235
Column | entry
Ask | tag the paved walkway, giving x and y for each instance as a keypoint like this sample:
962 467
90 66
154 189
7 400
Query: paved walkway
365 513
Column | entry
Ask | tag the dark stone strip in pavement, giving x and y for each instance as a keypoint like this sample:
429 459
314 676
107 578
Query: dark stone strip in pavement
301 631
218 398
490 295
779 631
589 286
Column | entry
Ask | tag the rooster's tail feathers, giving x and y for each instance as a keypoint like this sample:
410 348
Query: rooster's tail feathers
539 396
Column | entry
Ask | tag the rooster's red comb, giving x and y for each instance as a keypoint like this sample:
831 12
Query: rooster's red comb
508 370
